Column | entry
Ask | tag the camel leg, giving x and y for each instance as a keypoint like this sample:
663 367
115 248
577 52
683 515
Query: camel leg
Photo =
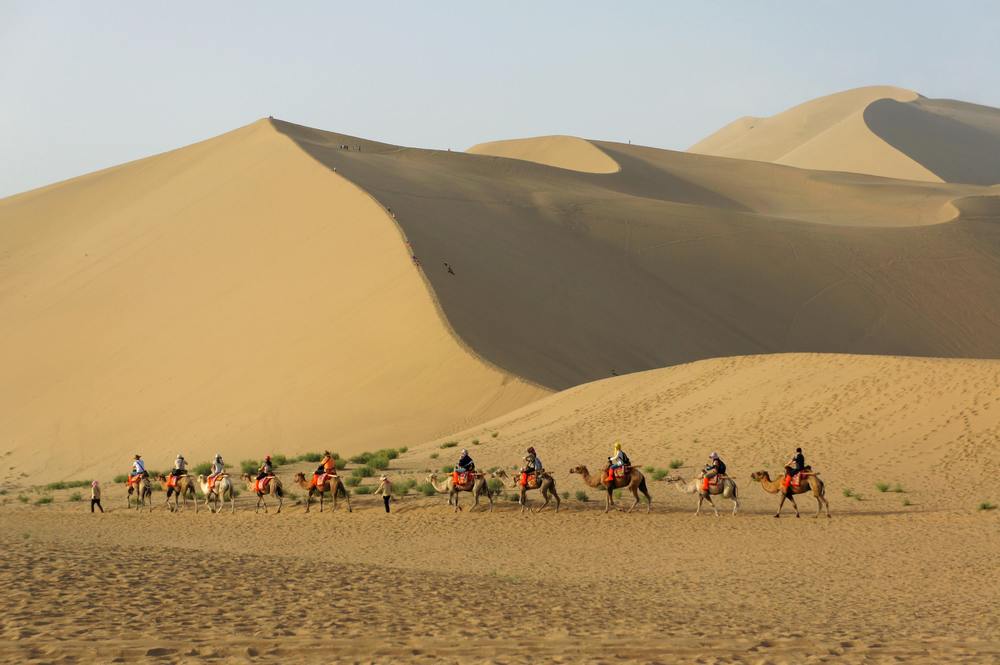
712 503
635 496
780 504
608 501
795 505
347 498
322 495
701 498
489 497
281 501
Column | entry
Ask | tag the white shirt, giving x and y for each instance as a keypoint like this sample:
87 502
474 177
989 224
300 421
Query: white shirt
138 467
180 464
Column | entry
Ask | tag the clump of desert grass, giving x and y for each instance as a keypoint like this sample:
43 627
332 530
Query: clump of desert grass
582 496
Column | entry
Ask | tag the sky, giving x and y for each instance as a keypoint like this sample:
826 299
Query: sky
86 85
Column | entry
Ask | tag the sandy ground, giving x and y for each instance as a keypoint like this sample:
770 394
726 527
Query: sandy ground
880 585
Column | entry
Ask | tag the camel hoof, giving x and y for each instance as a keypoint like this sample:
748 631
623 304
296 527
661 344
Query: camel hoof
777 516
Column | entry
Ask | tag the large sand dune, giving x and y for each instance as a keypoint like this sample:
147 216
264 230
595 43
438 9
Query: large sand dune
878 130
564 277
233 295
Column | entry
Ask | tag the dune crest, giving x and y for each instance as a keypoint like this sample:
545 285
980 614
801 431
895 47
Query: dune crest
564 152
229 296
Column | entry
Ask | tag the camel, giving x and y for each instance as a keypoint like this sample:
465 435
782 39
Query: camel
143 490
183 490
338 490
546 483
273 487
221 492
727 488
478 487
635 482
810 483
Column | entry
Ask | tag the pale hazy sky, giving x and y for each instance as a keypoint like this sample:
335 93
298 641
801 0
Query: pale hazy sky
84 85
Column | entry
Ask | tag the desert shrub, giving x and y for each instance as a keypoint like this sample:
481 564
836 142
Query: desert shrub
402 450
495 434
390 453
676 463
475 442
120 478
67 484
310 457
290 494
495 485
907 502
618 495
363 472
426 489
582 496
22 498
449 444
848 492
447 468
249 465
649 469
882 487
353 481
279 459
660 474
898 489
858 497
43 500
985 505
379 462
565 495
76 496
202 469
434 455
364 489
360 458
403 487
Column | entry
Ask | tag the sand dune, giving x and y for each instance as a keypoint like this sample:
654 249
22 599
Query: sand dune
565 152
878 130
232 295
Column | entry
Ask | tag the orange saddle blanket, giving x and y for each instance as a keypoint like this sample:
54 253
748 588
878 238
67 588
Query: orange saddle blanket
529 480
260 486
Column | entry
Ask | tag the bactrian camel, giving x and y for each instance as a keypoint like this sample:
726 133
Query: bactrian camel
222 491
727 488
182 490
635 482
273 487
546 483
811 482
477 485
143 490
338 490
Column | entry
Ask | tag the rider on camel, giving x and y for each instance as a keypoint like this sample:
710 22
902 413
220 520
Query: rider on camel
327 466
793 467
465 465
532 466
180 467
266 469
218 468
138 468
715 467
618 460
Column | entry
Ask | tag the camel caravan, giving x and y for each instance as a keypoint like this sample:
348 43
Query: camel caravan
617 475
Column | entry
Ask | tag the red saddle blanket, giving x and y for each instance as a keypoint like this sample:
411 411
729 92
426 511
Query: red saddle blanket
320 479
260 486
172 481
529 480
618 472
462 477
133 481
212 480
708 483
794 481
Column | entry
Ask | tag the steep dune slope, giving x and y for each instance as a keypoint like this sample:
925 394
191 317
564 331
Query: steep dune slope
564 277
879 130
232 295
565 152
923 423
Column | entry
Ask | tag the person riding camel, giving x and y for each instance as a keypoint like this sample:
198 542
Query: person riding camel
327 466
266 469
618 460
465 465
180 467
715 468
218 468
532 466
793 467
138 469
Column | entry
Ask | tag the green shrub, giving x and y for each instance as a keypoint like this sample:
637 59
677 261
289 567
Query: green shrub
495 485
882 487
660 474
582 496
390 453
906 502
898 489
447 468
249 466
649 469
379 462
618 495
42 500
279 460
67 484
449 444
565 495
434 455
364 489
202 469
353 481
76 496
361 458
475 442
121 478
22 498
426 488
848 492
676 463
985 505
363 472
403 487
310 457
402 450
495 434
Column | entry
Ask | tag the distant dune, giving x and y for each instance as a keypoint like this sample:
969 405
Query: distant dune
879 130
565 152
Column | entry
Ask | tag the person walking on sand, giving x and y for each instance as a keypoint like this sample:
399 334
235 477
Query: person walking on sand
95 496
385 489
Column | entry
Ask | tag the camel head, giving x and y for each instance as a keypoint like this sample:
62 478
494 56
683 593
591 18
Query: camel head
759 476
201 478
160 477
432 477
247 477
582 470
300 477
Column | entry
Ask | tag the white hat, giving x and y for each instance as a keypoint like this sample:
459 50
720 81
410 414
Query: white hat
714 455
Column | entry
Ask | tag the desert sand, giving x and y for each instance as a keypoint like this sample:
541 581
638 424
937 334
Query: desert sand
827 278
901 575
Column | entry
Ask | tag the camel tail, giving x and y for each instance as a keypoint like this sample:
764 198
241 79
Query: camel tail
279 492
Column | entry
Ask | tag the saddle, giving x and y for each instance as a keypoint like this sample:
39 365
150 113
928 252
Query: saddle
260 486
212 480
619 473
714 481
172 481
462 477
530 480
134 481
795 482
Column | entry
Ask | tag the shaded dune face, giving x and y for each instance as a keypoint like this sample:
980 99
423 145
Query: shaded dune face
564 277
956 141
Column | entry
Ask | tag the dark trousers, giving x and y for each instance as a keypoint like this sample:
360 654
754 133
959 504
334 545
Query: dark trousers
96 502
385 500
